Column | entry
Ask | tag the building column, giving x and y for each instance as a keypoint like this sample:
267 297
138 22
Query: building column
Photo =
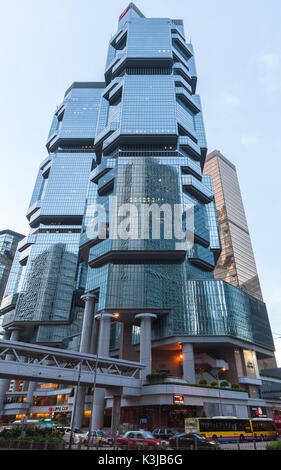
29 396
104 333
15 332
86 335
12 335
145 342
115 416
103 350
78 404
95 333
188 363
80 392
4 382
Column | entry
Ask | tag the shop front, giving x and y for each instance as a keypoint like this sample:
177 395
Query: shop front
156 416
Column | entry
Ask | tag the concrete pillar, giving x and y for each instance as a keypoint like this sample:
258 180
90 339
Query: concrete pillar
97 409
29 396
87 322
103 350
115 417
78 403
4 382
95 333
104 333
80 392
14 334
188 363
145 342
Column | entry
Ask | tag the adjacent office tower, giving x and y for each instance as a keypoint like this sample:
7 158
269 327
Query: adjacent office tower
236 263
42 296
127 156
8 244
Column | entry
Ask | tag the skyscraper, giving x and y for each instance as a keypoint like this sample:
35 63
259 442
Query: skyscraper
8 244
44 288
125 167
236 263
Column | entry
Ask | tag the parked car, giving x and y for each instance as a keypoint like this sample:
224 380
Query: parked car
139 440
77 435
163 433
192 441
98 437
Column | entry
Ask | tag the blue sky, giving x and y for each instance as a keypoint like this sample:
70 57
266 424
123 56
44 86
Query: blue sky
48 44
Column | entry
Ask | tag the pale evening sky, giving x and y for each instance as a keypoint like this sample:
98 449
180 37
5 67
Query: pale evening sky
48 44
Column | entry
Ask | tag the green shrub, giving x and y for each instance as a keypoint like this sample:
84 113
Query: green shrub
235 385
214 383
63 421
276 445
156 376
192 385
202 382
224 383
31 433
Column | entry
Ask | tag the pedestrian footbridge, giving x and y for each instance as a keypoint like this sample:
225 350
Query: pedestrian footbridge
35 363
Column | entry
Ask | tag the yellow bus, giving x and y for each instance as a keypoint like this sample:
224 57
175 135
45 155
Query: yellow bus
263 429
232 429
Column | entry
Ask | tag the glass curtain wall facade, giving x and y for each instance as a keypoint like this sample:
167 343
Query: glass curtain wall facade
150 148
137 138
8 245
134 144
236 263
43 292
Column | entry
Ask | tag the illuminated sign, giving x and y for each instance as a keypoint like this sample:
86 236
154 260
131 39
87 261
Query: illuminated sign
124 13
258 412
190 425
178 400
59 408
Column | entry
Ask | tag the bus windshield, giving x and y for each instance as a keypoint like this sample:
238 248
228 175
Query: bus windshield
262 425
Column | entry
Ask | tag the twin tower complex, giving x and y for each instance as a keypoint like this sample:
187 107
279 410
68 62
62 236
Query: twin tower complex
123 244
